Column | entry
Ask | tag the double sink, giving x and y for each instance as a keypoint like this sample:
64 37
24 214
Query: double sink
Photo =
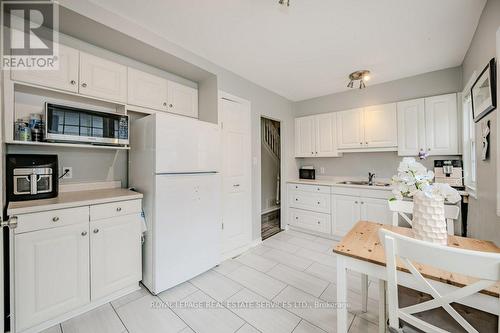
364 183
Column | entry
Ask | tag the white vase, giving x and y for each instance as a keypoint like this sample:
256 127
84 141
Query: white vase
429 223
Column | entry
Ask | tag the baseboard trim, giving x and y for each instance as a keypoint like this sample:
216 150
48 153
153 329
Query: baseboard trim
270 210
241 250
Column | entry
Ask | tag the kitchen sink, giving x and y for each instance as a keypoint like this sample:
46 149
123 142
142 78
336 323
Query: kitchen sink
364 183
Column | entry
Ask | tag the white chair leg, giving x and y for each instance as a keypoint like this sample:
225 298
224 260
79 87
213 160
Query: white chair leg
341 295
364 292
382 309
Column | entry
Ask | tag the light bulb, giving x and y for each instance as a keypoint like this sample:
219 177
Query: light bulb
366 77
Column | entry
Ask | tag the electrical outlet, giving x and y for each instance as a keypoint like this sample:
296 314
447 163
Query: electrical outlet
67 172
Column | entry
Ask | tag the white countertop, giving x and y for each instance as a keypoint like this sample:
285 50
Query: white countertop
73 199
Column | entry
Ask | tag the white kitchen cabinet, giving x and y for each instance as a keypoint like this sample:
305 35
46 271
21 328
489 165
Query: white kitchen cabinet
375 210
311 220
305 136
411 127
350 131
428 124
64 78
441 125
51 273
315 136
115 254
182 99
380 126
317 202
346 212
147 90
102 78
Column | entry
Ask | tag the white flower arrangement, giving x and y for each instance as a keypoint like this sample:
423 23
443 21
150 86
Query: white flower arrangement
413 177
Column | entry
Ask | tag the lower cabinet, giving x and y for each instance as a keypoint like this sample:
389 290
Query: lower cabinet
314 221
63 266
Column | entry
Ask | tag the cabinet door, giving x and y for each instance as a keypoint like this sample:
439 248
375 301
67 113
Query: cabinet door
146 90
441 120
350 133
411 127
375 210
115 254
305 138
182 100
102 78
317 202
51 273
310 220
346 212
64 78
380 126
326 136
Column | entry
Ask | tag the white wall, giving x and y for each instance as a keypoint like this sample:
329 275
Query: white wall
264 102
483 221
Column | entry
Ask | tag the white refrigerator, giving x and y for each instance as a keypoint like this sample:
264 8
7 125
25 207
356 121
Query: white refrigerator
175 162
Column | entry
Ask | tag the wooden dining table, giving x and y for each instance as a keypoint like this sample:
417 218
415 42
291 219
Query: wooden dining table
362 251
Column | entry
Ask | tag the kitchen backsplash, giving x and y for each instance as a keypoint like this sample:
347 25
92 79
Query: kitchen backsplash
359 164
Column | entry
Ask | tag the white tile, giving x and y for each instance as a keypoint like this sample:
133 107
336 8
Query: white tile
324 272
103 319
322 258
280 245
354 300
216 285
359 325
309 244
247 328
260 249
130 297
187 330
258 262
305 327
330 242
177 293
265 318
227 266
53 329
314 310
288 259
303 281
284 236
301 234
257 281
203 314
149 314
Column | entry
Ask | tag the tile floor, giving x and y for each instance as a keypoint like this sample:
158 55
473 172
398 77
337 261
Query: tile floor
288 269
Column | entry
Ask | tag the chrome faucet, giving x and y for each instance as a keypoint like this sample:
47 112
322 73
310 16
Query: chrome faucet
371 176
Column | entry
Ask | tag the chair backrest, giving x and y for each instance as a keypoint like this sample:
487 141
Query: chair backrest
484 266
405 208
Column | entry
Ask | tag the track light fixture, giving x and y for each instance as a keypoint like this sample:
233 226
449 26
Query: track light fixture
362 76
284 2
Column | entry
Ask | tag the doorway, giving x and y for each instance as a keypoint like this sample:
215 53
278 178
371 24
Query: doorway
270 177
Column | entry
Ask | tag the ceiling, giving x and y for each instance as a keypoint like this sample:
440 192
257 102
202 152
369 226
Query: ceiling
308 49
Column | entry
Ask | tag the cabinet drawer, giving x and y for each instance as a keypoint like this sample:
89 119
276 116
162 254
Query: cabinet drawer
114 209
309 188
310 220
310 201
51 219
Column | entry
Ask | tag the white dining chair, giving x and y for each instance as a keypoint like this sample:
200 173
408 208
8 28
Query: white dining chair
404 208
484 266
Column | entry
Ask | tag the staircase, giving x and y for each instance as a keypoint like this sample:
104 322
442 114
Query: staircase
270 139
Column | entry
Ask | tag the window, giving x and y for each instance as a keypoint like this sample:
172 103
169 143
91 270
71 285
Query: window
469 138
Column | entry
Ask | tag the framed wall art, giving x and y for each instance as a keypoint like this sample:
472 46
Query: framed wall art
484 93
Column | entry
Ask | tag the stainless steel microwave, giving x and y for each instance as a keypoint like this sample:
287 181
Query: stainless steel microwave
70 124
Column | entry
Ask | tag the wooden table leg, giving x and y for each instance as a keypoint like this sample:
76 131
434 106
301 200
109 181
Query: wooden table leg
341 295
364 292
382 309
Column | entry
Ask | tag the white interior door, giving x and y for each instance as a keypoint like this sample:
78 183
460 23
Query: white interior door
234 117
381 126
350 132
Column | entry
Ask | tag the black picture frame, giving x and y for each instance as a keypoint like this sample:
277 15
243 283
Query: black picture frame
489 74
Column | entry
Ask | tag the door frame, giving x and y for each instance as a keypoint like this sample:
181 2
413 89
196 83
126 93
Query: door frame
259 172
248 105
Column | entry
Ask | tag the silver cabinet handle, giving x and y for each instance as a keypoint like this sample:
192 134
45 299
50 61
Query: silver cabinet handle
118 209
362 202
73 82
319 203
55 219
84 233
296 199
96 231
84 85
236 185
356 202
164 103
171 105
366 142
296 217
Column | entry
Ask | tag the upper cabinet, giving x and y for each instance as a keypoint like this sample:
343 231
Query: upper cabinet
64 78
315 136
369 128
154 92
428 124
102 78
